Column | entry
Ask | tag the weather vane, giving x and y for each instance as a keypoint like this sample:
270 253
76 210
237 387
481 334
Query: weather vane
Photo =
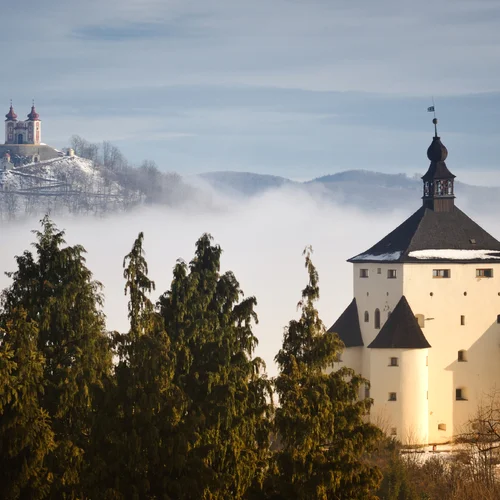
432 109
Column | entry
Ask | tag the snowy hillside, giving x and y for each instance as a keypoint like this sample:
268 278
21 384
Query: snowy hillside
70 184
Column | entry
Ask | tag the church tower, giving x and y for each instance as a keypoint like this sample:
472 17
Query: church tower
424 324
10 124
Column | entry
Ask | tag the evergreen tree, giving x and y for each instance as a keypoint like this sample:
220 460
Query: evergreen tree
319 421
222 438
56 290
26 436
142 413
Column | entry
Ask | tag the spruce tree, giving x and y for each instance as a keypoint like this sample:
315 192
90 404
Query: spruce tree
142 413
222 438
56 290
26 436
319 422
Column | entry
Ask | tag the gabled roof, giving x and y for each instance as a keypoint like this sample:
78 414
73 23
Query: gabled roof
427 229
401 330
347 326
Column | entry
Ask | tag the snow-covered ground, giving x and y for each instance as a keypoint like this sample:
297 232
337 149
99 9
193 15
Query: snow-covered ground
62 184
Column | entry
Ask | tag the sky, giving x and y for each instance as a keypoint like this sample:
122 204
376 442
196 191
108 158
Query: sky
293 88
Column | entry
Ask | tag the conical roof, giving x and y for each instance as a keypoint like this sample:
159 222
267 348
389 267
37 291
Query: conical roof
401 330
347 326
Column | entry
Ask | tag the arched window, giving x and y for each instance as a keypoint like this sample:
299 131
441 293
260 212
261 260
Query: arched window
462 355
377 318
367 316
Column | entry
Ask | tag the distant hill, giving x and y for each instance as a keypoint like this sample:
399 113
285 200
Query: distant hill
245 183
362 189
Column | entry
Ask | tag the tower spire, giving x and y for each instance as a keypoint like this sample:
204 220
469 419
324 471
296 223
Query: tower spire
438 180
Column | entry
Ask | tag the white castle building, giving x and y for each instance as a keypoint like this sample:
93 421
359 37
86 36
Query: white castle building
424 324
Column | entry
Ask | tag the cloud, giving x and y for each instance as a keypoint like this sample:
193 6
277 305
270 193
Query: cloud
262 241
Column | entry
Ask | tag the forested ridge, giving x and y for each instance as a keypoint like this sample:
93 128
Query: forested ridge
178 407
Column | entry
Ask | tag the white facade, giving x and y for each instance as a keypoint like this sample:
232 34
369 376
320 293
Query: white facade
23 132
425 380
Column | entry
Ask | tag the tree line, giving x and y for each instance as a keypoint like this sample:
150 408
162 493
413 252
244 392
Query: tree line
177 407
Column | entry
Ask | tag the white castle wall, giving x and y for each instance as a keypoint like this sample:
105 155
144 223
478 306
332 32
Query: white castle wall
426 380
479 337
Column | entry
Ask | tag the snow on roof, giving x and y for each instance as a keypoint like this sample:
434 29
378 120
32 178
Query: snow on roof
381 257
453 254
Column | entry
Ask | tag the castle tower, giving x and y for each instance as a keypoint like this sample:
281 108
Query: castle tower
424 324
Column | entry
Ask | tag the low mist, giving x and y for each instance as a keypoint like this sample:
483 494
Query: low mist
262 240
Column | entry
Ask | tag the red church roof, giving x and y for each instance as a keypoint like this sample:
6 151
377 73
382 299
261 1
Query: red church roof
11 115
33 115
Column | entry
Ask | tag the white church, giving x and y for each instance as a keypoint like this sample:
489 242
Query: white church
424 324
23 139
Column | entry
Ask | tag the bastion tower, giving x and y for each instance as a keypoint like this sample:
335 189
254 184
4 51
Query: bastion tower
424 324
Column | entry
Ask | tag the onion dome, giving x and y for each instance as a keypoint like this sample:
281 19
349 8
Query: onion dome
33 115
11 115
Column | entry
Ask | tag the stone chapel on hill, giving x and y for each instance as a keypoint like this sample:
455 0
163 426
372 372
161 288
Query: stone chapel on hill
424 324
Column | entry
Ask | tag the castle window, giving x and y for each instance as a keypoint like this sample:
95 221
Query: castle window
394 431
462 320
441 427
420 320
498 318
367 391
441 273
460 394
393 396
391 273
462 355
367 316
393 362
377 319
484 273
363 273
379 270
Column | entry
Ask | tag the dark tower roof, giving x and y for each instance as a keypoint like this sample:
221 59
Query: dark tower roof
401 330
11 115
430 230
438 227
33 114
347 326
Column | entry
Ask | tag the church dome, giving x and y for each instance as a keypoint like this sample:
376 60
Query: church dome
11 115
33 115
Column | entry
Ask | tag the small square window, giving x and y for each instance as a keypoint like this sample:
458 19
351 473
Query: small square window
441 427
462 320
393 362
391 273
363 273
393 396
460 394
441 273
484 273
379 270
